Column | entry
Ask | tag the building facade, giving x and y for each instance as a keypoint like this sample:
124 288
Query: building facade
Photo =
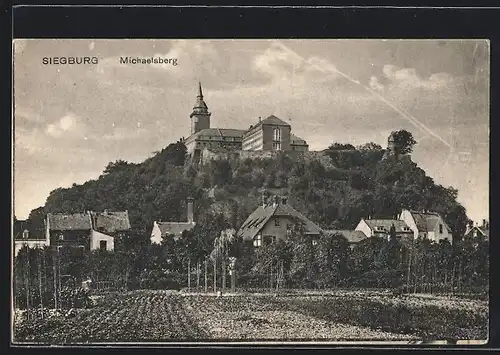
273 220
89 231
23 237
270 133
382 228
163 229
478 231
427 224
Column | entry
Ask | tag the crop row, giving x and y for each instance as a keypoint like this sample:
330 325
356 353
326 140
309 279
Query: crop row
242 318
132 317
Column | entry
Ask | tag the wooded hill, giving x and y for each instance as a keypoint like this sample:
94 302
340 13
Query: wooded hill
358 183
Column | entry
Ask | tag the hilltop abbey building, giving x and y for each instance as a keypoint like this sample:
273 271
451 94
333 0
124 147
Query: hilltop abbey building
269 134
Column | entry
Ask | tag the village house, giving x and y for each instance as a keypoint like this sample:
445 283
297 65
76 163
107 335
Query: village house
267 134
353 237
427 224
382 228
23 237
90 230
273 220
163 229
475 231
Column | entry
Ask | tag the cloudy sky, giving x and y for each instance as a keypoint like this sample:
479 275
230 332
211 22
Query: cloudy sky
71 120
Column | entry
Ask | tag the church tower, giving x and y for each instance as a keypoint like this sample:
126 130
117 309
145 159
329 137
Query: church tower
200 117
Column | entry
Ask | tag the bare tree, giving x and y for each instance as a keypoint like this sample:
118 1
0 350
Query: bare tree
221 252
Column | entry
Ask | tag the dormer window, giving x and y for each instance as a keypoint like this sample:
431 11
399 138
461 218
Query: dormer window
61 237
277 222
26 234
475 233
406 229
379 228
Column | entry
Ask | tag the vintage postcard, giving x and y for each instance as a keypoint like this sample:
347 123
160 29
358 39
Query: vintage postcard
329 191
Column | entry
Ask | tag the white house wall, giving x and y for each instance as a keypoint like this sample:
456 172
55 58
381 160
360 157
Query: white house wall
18 245
96 237
364 228
436 236
410 222
156 234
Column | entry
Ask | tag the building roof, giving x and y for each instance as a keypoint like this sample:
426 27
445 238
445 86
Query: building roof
352 236
75 221
19 227
22 225
294 140
111 221
270 120
219 133
107 222
427 221
387 224
175 228
273 120
200 108
483 230
261 215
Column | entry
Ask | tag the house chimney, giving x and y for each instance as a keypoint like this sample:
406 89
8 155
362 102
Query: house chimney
265 198
284 200
105 211
190 212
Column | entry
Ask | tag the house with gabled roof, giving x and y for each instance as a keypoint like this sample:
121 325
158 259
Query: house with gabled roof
382 228
162 229
272 221
475 231
90 230
24 236
427 224
352 237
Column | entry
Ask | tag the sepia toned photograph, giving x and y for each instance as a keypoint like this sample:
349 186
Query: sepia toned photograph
317 191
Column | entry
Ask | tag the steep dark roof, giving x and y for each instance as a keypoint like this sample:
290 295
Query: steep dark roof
273 120
294 140
427 221
75 221
483 230
19 227
387 223
258 219
352 236
219 133
111 221
175 228
107 222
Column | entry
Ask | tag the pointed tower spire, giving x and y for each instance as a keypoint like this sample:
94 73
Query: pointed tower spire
200 93
200 117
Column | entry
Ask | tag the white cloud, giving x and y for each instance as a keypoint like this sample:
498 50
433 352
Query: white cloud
282 63
408 78
68 125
